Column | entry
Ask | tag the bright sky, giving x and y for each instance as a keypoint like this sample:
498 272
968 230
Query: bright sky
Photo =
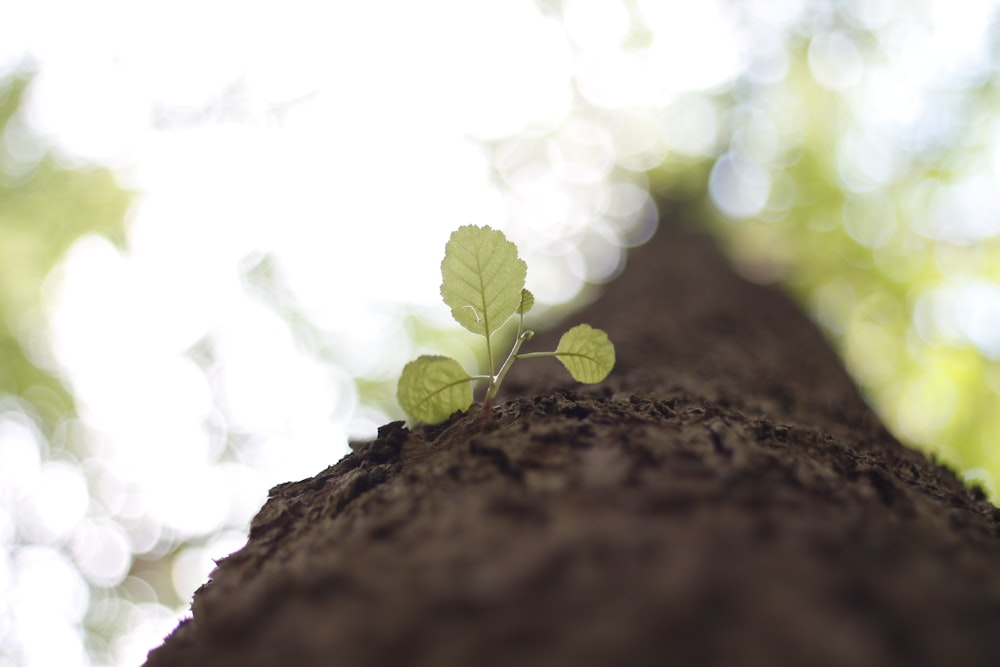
344 141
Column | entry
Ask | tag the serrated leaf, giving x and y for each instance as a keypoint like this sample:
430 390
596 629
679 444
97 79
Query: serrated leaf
586 353
527 301
432 388
482 278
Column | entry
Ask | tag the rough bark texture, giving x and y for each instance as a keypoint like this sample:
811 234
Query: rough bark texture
725 498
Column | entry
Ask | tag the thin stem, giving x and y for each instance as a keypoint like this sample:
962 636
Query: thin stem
491 385
522 338
494 380
489 354
536 355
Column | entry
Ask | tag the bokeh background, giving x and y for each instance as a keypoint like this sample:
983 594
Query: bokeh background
221 223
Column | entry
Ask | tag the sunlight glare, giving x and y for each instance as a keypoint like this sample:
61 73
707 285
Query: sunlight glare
739 185
102 551
58 502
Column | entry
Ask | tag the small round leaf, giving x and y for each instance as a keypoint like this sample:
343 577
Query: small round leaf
586 353
432 388
527 301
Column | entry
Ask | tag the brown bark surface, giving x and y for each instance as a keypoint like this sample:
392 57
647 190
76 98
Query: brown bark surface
725 498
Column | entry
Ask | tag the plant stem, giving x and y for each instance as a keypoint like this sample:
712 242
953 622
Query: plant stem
489 354
522 338
536 355
494 380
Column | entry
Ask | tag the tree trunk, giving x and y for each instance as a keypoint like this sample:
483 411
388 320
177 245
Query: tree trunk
726 497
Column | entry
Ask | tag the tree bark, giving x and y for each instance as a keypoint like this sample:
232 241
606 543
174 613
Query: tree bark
726 497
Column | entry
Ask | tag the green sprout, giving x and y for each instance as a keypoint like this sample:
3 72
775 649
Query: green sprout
483 284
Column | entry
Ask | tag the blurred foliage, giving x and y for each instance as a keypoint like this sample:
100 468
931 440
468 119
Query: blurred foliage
264 279
870 257
847 150
44 209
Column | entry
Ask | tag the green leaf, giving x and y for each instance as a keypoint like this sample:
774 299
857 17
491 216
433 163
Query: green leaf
432 388
527 301
482 278
587 353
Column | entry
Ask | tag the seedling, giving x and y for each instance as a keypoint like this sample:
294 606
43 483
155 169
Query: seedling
482 281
